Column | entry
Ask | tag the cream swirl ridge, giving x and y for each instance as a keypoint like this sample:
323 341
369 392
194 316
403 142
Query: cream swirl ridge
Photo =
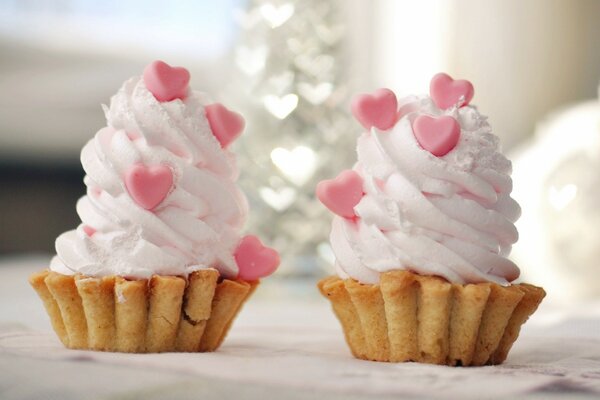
196 225
450 216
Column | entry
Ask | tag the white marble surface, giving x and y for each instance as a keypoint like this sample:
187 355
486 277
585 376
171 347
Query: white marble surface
286 344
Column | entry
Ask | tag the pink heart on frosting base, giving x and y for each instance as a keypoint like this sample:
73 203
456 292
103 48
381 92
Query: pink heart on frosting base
88 230
226 125
148 186
436 135
254 260
166 83
341 194
447 92
378 109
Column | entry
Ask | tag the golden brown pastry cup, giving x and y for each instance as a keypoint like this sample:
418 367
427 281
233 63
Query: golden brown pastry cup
409 317
160 314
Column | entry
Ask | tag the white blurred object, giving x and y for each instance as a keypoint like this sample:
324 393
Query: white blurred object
557 182
410 43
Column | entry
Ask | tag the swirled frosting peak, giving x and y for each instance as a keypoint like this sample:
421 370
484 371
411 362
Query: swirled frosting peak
435 192
161 186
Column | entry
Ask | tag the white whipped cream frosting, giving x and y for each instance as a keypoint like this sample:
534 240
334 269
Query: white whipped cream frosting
196 226
450 216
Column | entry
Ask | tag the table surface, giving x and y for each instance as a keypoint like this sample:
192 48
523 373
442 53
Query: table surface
286 344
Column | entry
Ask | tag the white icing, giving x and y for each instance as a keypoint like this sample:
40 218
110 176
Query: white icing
450 216
198 223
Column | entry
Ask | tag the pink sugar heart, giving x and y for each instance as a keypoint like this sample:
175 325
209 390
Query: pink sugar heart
148 186
341 194
378 109
166 83
447 92
436 135
88 230
226 125
255 260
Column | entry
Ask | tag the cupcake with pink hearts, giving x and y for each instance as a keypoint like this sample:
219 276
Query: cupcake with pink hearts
423 225
159 262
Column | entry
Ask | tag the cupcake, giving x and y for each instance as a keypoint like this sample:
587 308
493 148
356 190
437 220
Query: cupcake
158 263
423 226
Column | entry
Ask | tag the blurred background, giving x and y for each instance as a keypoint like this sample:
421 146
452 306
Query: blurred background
291 66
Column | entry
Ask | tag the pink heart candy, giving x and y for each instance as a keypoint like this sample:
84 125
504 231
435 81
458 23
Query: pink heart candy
226 125
88 230
166 83
446 92
148 186
341 194
378 109
254 260
436 135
